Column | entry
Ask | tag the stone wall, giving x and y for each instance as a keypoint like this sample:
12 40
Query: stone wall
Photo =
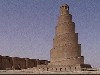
63 68
42 62
0 62
30 63
7 62
19 63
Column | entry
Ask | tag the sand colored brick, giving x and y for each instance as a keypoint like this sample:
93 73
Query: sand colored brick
66 51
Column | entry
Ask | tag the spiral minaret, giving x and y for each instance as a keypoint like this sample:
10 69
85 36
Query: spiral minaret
66 50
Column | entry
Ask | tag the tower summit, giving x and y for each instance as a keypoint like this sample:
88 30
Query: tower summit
64 9
66 51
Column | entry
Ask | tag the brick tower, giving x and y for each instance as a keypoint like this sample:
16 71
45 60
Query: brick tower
66 50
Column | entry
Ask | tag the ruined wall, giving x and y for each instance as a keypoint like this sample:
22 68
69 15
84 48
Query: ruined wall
19 63
42 62
0 62
30 63
7 62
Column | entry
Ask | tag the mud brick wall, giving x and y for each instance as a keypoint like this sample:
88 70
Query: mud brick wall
6 62
19 63
42 62
0 62
30 63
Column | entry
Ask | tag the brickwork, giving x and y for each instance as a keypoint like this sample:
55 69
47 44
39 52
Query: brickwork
66 49
7 62
19 63
0 62
42 62
30 63
66 52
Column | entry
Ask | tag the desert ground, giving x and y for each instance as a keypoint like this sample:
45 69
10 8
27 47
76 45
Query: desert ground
31 71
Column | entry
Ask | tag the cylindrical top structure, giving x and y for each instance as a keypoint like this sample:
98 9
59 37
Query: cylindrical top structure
64 9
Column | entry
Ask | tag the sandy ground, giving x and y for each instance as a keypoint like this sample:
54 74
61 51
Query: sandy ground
30 71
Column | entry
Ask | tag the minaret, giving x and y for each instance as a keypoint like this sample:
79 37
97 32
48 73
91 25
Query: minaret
66 50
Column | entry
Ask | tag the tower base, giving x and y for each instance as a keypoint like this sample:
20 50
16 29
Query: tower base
64 68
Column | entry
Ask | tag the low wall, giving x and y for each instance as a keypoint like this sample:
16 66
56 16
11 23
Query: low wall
7 62
30 63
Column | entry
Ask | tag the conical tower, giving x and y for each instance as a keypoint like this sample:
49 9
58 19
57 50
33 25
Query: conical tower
66 50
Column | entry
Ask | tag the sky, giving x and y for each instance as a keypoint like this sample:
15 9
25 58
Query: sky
27 27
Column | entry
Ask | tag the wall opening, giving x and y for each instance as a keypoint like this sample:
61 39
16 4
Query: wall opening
75 68
65 69
47 68
60 69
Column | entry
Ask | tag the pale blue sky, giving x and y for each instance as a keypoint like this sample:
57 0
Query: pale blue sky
27 27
